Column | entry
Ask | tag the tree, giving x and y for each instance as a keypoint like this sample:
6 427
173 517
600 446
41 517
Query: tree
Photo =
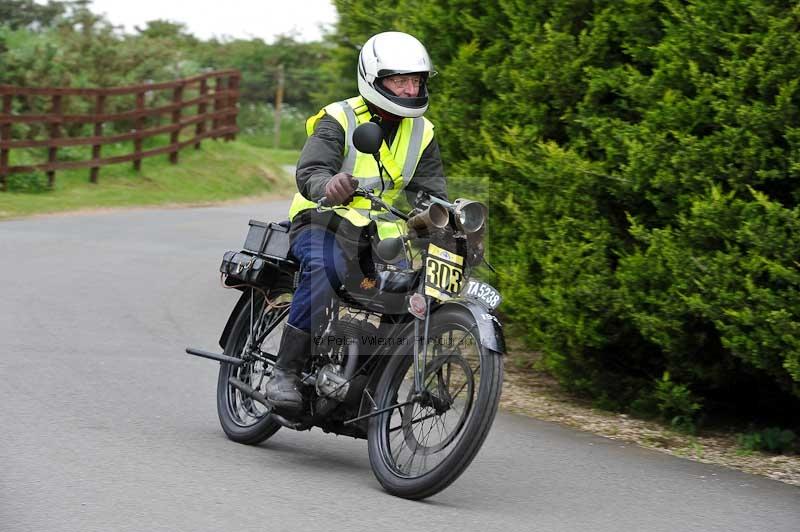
16 14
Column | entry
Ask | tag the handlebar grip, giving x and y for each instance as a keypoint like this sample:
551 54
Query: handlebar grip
363 193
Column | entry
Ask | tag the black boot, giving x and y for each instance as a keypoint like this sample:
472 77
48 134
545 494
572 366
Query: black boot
283 389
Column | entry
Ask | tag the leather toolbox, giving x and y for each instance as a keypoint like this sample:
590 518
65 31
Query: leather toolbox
244 267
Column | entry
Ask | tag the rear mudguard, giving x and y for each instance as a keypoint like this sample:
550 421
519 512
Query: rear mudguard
244 299
284 283
489 329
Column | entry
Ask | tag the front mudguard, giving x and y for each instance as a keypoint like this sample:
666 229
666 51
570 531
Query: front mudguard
490 331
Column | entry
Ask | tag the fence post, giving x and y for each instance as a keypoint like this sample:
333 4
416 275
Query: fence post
177 97
278 106
200 128
55 132
233 88
5 135
137 142
217 105
99 108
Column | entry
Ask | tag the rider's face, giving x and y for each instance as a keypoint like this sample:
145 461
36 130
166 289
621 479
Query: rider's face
403 85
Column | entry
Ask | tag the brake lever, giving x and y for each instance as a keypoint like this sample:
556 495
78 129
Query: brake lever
324 204
369 193
366 193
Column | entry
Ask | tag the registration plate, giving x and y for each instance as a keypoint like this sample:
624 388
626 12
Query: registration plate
484 293
444 273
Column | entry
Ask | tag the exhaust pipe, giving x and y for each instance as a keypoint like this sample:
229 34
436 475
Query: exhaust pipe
248 391
258 397
434 217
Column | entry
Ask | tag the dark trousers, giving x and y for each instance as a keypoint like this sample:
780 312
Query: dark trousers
323 268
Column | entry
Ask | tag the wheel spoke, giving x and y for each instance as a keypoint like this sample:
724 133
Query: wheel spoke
396 458
443 385
410 461
414 422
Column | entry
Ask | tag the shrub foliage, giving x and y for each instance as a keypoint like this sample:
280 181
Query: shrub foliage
641 160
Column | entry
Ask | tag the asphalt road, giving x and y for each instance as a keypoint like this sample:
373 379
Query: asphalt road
108 425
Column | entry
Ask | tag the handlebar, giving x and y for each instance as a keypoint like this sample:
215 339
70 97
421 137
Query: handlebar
366 193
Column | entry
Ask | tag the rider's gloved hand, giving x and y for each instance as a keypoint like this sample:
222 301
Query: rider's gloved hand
340 188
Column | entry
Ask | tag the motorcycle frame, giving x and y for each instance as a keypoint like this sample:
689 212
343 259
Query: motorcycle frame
489 329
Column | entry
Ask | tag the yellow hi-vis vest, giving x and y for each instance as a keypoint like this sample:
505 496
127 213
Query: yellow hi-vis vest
400 160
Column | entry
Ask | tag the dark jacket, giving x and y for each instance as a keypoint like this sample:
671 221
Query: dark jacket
322 158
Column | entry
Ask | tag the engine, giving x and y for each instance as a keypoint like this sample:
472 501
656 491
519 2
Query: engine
331 382
350 335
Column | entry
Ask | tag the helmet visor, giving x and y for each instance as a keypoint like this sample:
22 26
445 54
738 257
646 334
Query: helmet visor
415 102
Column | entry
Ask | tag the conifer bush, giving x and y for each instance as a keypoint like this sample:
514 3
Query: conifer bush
641 161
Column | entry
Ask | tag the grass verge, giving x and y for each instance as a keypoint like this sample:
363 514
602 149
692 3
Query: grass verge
218 171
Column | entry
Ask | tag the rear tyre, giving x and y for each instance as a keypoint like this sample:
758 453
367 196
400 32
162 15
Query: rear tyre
243 419
417 450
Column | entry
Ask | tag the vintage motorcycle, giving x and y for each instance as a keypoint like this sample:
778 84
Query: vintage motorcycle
410 357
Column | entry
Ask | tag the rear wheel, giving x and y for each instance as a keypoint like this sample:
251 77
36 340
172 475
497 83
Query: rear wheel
420 448
243 419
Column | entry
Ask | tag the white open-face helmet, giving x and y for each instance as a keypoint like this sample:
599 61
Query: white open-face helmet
389 54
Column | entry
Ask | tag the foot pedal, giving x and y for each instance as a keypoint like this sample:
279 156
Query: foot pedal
249 392
215 356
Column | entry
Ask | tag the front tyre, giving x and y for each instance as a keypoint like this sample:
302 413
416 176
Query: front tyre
244 420
419 449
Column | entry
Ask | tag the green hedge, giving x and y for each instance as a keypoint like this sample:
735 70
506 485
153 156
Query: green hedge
641 160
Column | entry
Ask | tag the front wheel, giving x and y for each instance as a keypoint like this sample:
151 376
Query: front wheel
243 419
422 445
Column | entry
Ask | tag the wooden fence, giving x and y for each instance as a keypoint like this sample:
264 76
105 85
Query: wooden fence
139 113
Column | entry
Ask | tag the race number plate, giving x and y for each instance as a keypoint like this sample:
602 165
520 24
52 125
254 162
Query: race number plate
484 293
444 273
